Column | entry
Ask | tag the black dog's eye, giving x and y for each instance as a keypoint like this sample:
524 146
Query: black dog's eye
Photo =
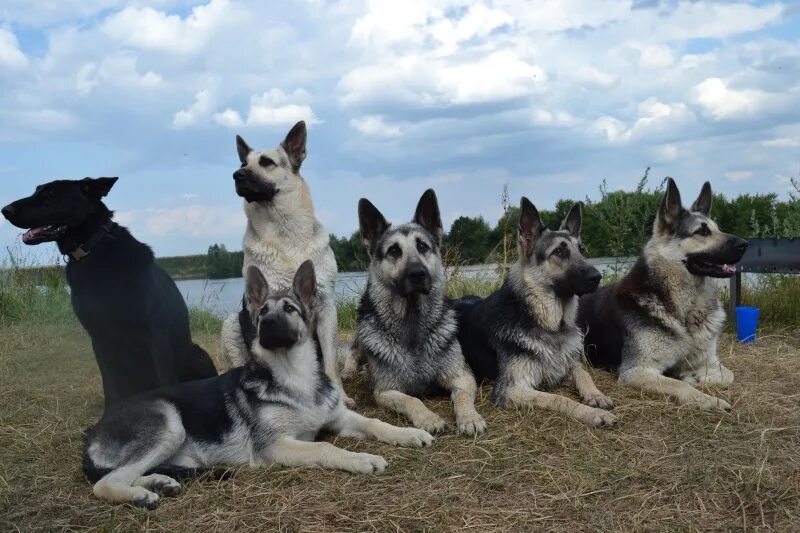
263 310
266 162
394 251
703 231
561 252
422 247
289 308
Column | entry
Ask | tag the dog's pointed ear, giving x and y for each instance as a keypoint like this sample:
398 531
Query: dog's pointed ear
97 188
295 145
670 210
573 221
256 290
243 149
305 283
530 227
703 202
372 224
427 214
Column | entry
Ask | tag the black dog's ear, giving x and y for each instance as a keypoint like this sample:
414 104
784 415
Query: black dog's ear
256 290
530 227
305 283
243 149
703 202
295 145
372 224
573 221
670 210
97 188
427 214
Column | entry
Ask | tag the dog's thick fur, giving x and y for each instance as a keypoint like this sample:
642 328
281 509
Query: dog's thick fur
658 326
524 336
267 411
406 327
131 308
282 232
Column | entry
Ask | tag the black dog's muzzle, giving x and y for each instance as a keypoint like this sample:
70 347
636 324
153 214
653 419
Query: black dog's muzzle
252 189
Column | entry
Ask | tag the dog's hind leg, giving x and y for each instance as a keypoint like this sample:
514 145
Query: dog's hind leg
412 408
528 397
352 424
291 452
462 389
590 394
651 380
326 334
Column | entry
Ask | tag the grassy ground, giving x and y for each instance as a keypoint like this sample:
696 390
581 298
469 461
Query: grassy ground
664 468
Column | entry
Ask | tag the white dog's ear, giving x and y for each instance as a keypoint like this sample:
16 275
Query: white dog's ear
256 290
372 224
669 212
703 202
573 221
295 145
530 227
243 149
427 214
305 283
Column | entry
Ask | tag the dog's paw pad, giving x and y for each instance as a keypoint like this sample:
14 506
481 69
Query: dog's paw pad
432 423
417 438
600 401
146 500
349 402
471 425
365 463
600 418
714 404
168 487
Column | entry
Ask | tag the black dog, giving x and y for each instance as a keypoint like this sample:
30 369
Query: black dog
130 307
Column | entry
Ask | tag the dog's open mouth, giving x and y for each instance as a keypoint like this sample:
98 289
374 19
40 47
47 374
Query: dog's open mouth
41 234
706 268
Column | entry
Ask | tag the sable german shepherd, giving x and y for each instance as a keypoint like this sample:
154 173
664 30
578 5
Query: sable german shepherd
267 411
524 336
658 326
131 308
282 232
406 326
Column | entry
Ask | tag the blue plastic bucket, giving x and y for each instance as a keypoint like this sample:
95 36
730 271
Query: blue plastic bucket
746 323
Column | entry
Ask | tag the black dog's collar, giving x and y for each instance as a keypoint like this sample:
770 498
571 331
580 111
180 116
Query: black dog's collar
86 248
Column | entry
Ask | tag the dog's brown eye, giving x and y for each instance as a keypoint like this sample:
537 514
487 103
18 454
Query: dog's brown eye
703 231
422 247
582 250
266 162
287 308
561 252
394 251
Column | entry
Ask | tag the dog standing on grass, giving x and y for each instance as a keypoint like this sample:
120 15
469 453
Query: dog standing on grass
132 310
658 326
524 336
282 232
406 327
267 411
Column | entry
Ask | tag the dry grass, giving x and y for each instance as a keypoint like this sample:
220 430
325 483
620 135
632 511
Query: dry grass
664 468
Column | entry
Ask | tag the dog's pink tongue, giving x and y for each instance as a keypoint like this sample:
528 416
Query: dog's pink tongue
30 235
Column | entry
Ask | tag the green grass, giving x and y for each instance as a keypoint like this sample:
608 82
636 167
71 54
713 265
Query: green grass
185 267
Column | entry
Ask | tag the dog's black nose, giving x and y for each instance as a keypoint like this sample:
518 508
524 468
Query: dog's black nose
741 245
416 273
240 174
8 211
595 277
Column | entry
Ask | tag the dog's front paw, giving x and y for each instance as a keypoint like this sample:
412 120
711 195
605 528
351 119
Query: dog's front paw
412 438
366 463
348 401
600 418
600 401
145 499
710 403
471 424
431 422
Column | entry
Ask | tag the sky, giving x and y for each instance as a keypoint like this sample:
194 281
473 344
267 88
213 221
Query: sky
549 97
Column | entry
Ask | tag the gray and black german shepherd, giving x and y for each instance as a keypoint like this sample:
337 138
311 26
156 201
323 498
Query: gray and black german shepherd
524 336
658 326
406 326
267 411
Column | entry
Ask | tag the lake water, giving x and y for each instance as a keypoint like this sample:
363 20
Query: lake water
222 296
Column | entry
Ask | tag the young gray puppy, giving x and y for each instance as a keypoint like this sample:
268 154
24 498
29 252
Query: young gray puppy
267 411
406 327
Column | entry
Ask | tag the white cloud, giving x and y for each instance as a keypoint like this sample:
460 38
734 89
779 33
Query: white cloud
10 54
655 57
721 102
195 113
591 76
375 126
119 69
739 175
782 142
276 108
498 76
150 29
193 220
229 118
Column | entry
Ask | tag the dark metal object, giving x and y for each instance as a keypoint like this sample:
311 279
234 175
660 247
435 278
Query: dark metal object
775 256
